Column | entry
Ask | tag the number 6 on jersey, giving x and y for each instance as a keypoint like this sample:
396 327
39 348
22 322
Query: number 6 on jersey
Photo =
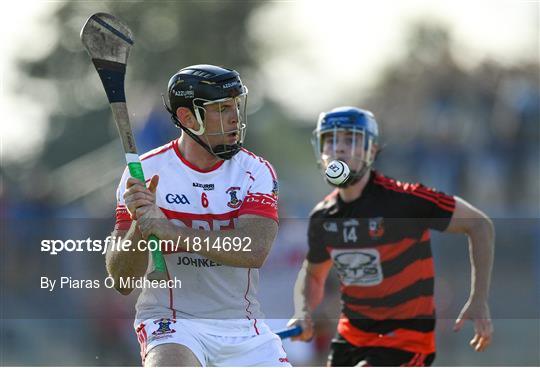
204 200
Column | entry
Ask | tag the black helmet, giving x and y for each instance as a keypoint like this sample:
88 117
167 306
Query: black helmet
198 85
207 82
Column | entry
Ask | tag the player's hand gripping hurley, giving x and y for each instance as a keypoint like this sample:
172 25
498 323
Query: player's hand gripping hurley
108 41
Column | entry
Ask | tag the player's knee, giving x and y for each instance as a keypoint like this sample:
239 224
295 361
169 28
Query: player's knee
171 355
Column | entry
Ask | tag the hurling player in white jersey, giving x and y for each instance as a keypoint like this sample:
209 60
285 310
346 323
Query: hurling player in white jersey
208 190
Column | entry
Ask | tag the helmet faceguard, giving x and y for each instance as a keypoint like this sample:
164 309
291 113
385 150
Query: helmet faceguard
222 148
348 134
203 87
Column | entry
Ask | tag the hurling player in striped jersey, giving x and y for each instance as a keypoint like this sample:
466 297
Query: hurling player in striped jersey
375 232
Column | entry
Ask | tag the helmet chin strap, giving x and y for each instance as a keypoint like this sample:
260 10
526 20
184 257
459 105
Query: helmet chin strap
227 151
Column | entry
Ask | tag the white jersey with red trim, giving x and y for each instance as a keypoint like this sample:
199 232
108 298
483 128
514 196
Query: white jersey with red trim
212 199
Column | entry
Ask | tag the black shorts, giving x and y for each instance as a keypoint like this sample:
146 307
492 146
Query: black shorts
344 354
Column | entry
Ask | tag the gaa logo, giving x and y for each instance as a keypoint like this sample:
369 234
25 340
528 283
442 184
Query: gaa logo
176 199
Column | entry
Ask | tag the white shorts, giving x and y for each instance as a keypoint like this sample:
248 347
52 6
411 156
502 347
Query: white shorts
263 349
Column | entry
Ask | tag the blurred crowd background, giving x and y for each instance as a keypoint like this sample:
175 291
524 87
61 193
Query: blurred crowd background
470 129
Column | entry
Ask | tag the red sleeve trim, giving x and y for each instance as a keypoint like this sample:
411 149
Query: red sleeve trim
442 200
260 204
123 218
122 213
122 225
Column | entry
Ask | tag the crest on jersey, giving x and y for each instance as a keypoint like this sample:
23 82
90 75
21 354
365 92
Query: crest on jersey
376 227
234 202
164 326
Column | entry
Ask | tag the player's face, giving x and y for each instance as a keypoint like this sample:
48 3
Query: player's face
345 146
223 122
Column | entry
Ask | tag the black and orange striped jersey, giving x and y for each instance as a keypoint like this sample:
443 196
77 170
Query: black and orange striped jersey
380 248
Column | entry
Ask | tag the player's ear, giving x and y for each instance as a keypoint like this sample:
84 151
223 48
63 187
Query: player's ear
374 151
186 117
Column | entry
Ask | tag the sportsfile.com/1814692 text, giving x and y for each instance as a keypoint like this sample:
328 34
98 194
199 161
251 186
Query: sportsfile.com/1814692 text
194 244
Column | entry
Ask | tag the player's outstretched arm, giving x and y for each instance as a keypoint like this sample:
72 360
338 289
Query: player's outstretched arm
479 228
308 294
